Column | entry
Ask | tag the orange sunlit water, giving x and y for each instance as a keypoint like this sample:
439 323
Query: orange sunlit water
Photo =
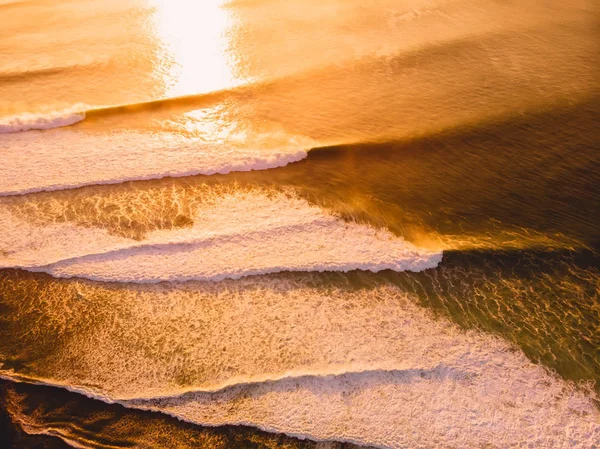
234 211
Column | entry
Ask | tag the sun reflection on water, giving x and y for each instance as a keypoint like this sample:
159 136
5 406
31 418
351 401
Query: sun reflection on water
194 35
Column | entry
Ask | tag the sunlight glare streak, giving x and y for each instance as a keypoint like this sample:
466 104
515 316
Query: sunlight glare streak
194 34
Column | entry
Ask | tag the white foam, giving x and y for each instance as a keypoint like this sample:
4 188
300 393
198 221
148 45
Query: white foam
27 244
485 407
28 122
237 234
298 356
78 158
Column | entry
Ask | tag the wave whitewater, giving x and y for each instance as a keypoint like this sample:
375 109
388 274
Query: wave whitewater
38 410
29 122
81 159
413 380
233 235
77 113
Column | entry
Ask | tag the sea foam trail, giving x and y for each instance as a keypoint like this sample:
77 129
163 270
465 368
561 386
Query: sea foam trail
80 159
46 411
233 235
302 355
28 122
435 408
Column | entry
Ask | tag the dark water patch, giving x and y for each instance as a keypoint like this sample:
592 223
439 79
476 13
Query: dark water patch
96 424
538 171
12 435
546 302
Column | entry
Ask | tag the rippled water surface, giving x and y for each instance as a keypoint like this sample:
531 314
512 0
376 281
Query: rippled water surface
302 224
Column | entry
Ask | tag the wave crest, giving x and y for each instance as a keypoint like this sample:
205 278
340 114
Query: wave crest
80 159
233 235
366 366
29 122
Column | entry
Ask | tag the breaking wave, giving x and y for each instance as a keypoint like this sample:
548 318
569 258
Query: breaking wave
365 366
37 410
29 122
233 235
78 113
80 159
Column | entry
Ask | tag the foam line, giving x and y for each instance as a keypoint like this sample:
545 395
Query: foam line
397 409
28 122
365 366
77 113
80 159
235 235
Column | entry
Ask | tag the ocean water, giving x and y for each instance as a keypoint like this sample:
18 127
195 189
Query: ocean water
304 224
